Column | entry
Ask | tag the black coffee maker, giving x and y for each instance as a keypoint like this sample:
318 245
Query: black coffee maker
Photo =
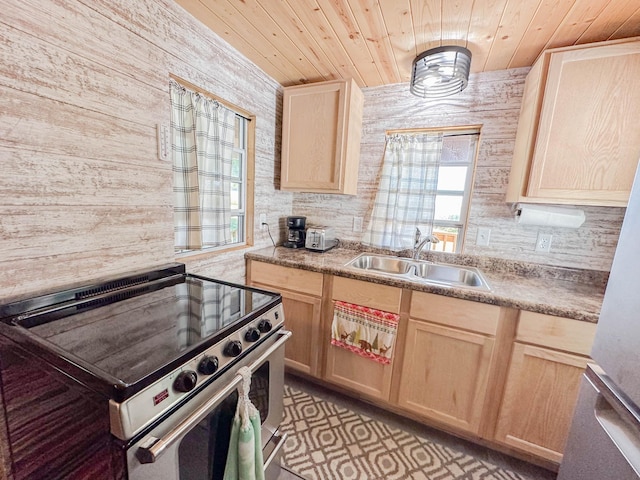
296 232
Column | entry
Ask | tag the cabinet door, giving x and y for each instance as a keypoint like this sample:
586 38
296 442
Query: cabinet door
539 399
444 374
302 317
357 373
321 130
348 369
588 143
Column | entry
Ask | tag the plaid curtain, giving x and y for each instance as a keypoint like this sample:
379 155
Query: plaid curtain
407 191
203 135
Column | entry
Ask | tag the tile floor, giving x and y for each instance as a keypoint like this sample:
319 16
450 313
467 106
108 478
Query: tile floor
531 471
287 475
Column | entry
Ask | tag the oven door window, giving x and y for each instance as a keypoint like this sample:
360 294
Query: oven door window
203 451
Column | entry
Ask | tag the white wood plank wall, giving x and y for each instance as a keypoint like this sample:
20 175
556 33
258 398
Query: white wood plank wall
82 86
493 100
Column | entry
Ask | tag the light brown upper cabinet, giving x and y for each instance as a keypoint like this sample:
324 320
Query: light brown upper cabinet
321 130
578 140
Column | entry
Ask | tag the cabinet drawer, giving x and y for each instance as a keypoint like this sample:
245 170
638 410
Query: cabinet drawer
369 294
454 312
559 333
294 279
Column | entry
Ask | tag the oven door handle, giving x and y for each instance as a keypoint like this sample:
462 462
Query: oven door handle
153 447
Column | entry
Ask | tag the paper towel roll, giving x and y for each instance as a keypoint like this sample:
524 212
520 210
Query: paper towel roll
549 216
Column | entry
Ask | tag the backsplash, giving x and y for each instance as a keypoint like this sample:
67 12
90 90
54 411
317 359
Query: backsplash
493 100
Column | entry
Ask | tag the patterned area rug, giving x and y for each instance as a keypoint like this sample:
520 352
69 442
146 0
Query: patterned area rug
329 442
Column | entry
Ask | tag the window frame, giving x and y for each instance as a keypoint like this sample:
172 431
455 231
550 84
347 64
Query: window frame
247 175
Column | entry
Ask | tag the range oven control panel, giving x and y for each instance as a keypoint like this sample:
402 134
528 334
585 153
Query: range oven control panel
132 415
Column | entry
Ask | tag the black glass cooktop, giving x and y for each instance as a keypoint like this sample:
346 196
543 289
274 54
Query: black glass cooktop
132 333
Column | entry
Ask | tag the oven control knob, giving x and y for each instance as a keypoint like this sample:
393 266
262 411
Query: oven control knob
208 365
252 335
185 381
233 348
264 326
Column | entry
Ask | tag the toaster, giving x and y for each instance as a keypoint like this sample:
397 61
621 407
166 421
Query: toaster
320 238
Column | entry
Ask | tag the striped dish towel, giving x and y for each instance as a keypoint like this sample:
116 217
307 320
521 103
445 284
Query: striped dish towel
365 331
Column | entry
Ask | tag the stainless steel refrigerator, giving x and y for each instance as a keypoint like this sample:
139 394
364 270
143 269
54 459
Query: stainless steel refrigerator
604 441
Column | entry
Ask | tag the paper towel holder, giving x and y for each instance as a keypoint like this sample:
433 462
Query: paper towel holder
549 216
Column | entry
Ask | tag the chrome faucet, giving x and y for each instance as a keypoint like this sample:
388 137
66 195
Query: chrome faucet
421 242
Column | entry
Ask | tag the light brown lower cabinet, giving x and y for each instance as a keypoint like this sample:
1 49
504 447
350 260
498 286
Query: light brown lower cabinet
357 373
542 384
352 371
302 316
301 301
509 377
539 399
444 374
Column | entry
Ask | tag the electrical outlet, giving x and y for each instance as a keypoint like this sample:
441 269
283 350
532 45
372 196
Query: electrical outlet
263 220
482 237
357 224
543 244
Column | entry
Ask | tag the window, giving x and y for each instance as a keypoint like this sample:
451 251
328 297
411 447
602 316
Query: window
455 175
212 165
425 184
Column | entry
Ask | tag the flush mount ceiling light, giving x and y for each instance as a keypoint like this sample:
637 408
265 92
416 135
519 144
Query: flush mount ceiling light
440 72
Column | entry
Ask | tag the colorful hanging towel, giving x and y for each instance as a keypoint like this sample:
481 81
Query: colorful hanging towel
244 460
366 331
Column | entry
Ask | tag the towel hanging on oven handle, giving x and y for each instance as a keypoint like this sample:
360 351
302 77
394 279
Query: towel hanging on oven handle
244 460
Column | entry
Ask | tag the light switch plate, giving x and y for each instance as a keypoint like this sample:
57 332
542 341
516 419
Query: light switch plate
164 144
482 238
357 224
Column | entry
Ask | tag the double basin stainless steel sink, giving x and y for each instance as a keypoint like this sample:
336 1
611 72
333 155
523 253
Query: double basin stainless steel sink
419 270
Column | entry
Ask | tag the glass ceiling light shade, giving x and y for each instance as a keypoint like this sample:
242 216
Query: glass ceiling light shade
440 72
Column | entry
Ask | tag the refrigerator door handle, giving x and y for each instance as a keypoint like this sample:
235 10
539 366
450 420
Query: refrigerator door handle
618 415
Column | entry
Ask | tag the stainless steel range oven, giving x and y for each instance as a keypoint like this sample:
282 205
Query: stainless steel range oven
137 376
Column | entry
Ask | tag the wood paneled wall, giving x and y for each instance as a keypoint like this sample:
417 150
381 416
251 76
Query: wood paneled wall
492 99
82 86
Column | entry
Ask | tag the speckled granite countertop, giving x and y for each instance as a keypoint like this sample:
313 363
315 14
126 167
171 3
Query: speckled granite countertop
557 291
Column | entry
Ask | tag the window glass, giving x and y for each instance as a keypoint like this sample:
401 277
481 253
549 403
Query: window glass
235 196
452 178
236 164
235 229
448 207
454 190
448 238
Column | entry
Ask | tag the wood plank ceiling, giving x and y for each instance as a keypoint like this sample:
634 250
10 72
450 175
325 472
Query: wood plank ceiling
375 41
